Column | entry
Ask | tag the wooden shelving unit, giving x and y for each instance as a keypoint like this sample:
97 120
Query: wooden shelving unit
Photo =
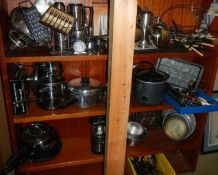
72 122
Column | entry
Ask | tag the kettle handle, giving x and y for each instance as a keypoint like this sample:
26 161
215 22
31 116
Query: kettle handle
135 66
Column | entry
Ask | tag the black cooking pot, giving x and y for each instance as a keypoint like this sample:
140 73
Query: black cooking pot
39 142
148 84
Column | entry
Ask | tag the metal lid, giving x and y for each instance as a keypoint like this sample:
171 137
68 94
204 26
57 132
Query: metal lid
84 85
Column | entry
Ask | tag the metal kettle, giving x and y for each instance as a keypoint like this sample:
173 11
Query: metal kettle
160 34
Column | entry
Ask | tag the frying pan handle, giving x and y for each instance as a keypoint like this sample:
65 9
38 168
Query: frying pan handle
20 157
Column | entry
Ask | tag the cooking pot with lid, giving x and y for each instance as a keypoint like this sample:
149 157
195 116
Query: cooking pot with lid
148 84
86 90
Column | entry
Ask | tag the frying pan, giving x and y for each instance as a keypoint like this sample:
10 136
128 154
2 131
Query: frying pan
40 143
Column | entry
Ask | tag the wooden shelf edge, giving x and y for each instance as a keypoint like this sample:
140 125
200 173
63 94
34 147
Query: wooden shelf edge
157 142
37 114
31 59
30 168
136 107
173 51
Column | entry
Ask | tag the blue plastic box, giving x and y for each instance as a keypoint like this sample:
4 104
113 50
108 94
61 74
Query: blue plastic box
195 109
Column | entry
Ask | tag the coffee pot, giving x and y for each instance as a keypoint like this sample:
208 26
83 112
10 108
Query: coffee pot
83 27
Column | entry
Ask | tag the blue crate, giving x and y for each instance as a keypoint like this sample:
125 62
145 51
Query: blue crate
195 109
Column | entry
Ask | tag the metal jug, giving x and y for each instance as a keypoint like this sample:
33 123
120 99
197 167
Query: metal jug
82 27
83 18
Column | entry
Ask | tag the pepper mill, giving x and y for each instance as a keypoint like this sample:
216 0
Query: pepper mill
98 135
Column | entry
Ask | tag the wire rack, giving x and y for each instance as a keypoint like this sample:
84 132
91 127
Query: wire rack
150 119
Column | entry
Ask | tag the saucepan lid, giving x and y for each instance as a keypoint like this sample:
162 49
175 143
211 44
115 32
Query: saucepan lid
84 85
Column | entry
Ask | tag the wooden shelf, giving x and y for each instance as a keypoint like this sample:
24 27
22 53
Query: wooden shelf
37 55
75 151
178 161
136 107
172 51
157 142
37 58
36 114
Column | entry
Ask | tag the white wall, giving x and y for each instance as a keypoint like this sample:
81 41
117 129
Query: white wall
216 83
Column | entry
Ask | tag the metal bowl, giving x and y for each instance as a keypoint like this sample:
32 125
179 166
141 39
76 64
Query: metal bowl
177 126
136 133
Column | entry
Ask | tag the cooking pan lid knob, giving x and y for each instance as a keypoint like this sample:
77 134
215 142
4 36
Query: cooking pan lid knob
85 81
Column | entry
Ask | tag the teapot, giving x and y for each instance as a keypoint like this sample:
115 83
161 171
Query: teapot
160 34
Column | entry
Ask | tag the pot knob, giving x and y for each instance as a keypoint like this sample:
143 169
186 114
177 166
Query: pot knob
85 81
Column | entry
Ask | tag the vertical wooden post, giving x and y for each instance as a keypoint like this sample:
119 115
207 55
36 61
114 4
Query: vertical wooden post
122 32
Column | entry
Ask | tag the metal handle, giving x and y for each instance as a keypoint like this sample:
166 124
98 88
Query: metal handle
27 1
135 66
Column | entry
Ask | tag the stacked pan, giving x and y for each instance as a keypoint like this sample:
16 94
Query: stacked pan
49 87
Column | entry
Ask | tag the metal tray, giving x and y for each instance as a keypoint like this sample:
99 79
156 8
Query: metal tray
180 71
